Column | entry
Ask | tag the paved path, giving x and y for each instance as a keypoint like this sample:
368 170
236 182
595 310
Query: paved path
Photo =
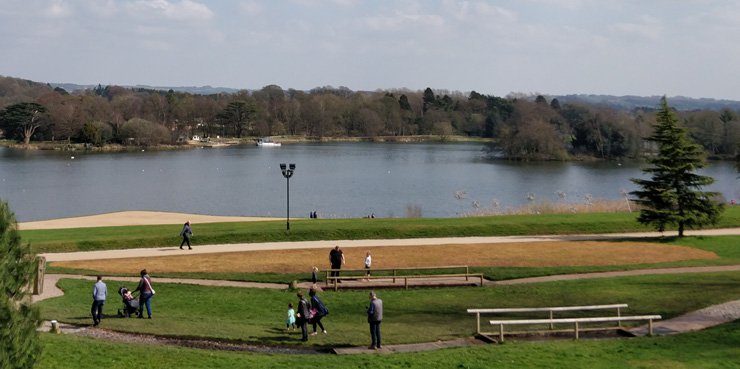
624 273
694 321
239 247
51 289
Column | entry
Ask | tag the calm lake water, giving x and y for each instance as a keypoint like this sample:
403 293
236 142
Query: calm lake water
336 180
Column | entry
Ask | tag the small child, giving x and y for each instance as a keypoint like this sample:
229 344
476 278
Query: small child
290 322
314 274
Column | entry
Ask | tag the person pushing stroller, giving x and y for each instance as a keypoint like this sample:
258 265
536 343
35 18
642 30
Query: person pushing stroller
130 304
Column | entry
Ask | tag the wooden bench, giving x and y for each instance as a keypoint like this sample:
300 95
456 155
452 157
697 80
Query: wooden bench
393 270
575 322
405 278
551 310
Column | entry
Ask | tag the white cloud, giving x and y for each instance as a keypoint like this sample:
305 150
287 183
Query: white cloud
399 21
251 8
106 9
478 11
57 9
646 27
182 10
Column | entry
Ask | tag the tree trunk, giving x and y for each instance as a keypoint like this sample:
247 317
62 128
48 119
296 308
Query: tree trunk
680 229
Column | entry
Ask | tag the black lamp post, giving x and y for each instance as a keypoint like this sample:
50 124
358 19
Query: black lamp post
287 173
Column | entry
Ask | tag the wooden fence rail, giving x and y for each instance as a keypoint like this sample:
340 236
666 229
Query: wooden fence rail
406 278
574 321
550 310
394 271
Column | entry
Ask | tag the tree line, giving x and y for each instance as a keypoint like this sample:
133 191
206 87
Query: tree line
521 127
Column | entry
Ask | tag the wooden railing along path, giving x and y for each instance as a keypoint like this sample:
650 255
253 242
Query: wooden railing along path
552 321
393 274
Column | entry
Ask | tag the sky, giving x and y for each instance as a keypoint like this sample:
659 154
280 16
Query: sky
552 47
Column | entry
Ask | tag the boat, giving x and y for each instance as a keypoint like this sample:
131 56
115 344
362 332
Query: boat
267 142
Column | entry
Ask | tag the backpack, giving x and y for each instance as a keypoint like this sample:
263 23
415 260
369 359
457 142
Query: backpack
320 307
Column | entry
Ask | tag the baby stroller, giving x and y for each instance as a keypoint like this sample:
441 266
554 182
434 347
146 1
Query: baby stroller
130 304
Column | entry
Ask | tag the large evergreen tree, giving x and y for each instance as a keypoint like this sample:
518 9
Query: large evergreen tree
673 195
19 344
22 120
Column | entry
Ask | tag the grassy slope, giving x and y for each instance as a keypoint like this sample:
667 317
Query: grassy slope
714 348
324 229
417 315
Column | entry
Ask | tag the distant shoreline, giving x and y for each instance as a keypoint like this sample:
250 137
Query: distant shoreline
72 147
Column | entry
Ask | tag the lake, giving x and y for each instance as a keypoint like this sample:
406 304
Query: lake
337 180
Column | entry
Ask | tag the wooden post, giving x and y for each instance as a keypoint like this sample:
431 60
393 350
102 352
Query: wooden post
336 284
327 278
552 326
394 276
477 321
619 314
481 280
501 333
38 285
650 327
406 282
467 272
576 330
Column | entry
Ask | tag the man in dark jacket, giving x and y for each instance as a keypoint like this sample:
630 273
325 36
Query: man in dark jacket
335 258
302 315
374 318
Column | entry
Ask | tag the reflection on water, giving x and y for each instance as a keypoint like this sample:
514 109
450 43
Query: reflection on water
334 179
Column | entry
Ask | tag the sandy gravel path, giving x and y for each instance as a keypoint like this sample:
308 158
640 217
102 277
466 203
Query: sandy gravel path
125 218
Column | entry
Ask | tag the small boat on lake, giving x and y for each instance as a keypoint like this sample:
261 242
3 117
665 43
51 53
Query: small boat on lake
267 142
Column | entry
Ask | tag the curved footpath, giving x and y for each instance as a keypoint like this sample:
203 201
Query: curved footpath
701 319
240 247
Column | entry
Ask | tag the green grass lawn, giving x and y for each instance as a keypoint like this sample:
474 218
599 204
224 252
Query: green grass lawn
417 315
726 247
82 239
710 349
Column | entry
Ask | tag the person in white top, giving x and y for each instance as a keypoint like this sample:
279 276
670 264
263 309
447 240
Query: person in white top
368 263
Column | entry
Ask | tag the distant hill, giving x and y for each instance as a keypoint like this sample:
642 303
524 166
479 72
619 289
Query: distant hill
629 103
15 90
202 90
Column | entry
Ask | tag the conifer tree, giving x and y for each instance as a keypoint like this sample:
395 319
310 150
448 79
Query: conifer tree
19 344
673 195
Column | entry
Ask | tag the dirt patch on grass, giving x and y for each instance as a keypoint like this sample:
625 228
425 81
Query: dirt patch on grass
536 254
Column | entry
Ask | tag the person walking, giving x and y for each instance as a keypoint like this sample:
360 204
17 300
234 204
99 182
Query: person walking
290 321
321 311
314 275
368 263
302 316
186 233
374 318
100 293
146 294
